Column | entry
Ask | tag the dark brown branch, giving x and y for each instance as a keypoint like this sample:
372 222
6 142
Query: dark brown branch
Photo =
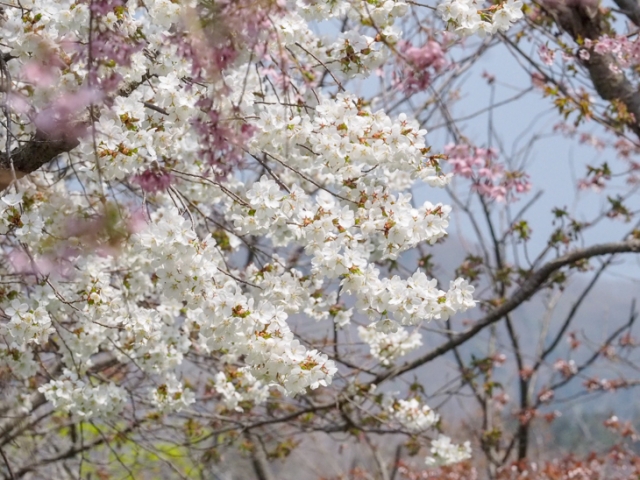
583 20
43 148
631 8
32 155
7 464
396 462
259 458
528 288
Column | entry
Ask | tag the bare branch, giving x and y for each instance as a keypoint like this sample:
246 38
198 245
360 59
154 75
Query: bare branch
528 288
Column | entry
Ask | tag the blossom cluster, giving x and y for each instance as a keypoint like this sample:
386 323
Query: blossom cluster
69 393
387 347
413 415
241 387
419 65
467 18
445 452
211 195
490 178
625 50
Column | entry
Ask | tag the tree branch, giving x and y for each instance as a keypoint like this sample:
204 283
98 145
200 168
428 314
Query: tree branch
74 451
631 8
584 20
528 288
43 148
32 155
259 458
